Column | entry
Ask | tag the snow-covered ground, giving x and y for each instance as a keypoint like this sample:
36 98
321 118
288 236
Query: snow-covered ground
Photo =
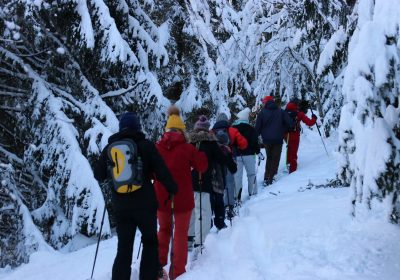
286 232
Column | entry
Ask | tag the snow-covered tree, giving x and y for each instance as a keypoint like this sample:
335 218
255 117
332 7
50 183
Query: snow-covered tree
370 119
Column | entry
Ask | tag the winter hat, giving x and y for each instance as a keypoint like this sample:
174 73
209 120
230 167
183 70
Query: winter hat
267 98
222 117
129 121
222 137
202 123
244 114
174 120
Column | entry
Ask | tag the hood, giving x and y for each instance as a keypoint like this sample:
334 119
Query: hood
201 135
271 105
171 139
221 124
291 106
126 133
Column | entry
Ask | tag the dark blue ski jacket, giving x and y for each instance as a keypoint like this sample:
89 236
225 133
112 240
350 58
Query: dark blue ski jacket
272 123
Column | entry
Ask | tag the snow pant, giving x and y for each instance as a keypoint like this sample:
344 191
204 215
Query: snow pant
202 231
230 189
273 157
249 163
292 148
181 227
217 206
127 222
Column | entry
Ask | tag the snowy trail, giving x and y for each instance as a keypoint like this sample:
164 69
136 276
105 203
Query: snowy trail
291 235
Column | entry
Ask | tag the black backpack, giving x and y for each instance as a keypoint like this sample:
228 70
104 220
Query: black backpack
126 166
294 121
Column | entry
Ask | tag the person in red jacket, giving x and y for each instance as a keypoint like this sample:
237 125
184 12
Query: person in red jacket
180 157
292 138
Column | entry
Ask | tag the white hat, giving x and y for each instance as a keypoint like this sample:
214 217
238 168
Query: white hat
244 114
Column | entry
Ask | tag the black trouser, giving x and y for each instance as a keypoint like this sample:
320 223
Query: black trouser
218 207
127 221
273 158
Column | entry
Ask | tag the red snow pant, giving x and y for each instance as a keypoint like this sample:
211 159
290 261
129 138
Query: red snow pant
182 220
292 148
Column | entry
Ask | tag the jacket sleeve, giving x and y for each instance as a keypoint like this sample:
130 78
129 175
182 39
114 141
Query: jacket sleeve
310 122
100 169
254 142
160 169
238 138
198 160
258 123
221 158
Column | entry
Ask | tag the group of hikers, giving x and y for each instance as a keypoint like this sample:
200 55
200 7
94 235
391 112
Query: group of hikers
188 181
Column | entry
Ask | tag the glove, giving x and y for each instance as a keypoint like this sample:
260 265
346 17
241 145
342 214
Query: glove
314 116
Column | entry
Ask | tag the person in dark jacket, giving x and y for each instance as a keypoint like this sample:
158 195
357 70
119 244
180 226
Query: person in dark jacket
206 142
272 123
180 158
246 158
236 142
292 138
137 209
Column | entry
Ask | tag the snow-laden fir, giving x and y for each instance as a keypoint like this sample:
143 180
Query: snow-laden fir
291 230
68 69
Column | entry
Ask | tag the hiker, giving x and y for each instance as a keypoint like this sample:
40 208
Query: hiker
292 138
222 179
205 141
180 157
246 158
236 141
272 123
138 208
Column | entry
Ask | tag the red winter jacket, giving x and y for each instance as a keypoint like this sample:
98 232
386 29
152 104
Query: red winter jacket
236 138
180 157
301 117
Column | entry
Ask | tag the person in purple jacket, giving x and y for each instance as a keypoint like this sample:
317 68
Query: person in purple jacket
272 123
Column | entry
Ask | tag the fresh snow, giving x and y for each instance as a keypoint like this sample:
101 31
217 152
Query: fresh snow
286 232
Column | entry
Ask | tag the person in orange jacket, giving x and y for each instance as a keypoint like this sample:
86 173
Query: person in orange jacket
292 138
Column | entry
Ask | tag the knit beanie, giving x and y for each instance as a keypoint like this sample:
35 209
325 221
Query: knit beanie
174 120
202 123
129 121
267 98
244 114
222 117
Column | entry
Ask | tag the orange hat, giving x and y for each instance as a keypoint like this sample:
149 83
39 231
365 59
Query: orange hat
267 98
174 120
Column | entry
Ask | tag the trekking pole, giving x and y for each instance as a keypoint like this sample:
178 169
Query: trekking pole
138 253
320 134
201 216
260 158
98 241
172 237
229 205
287 153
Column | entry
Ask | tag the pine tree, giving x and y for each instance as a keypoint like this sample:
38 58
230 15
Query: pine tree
370 119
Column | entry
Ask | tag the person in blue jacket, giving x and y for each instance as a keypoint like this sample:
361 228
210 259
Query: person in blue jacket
272 123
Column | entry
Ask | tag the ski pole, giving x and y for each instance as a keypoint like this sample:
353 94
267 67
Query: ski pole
320 134
98 241
172 237
287 152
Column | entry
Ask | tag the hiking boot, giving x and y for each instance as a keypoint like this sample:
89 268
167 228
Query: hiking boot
162 274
